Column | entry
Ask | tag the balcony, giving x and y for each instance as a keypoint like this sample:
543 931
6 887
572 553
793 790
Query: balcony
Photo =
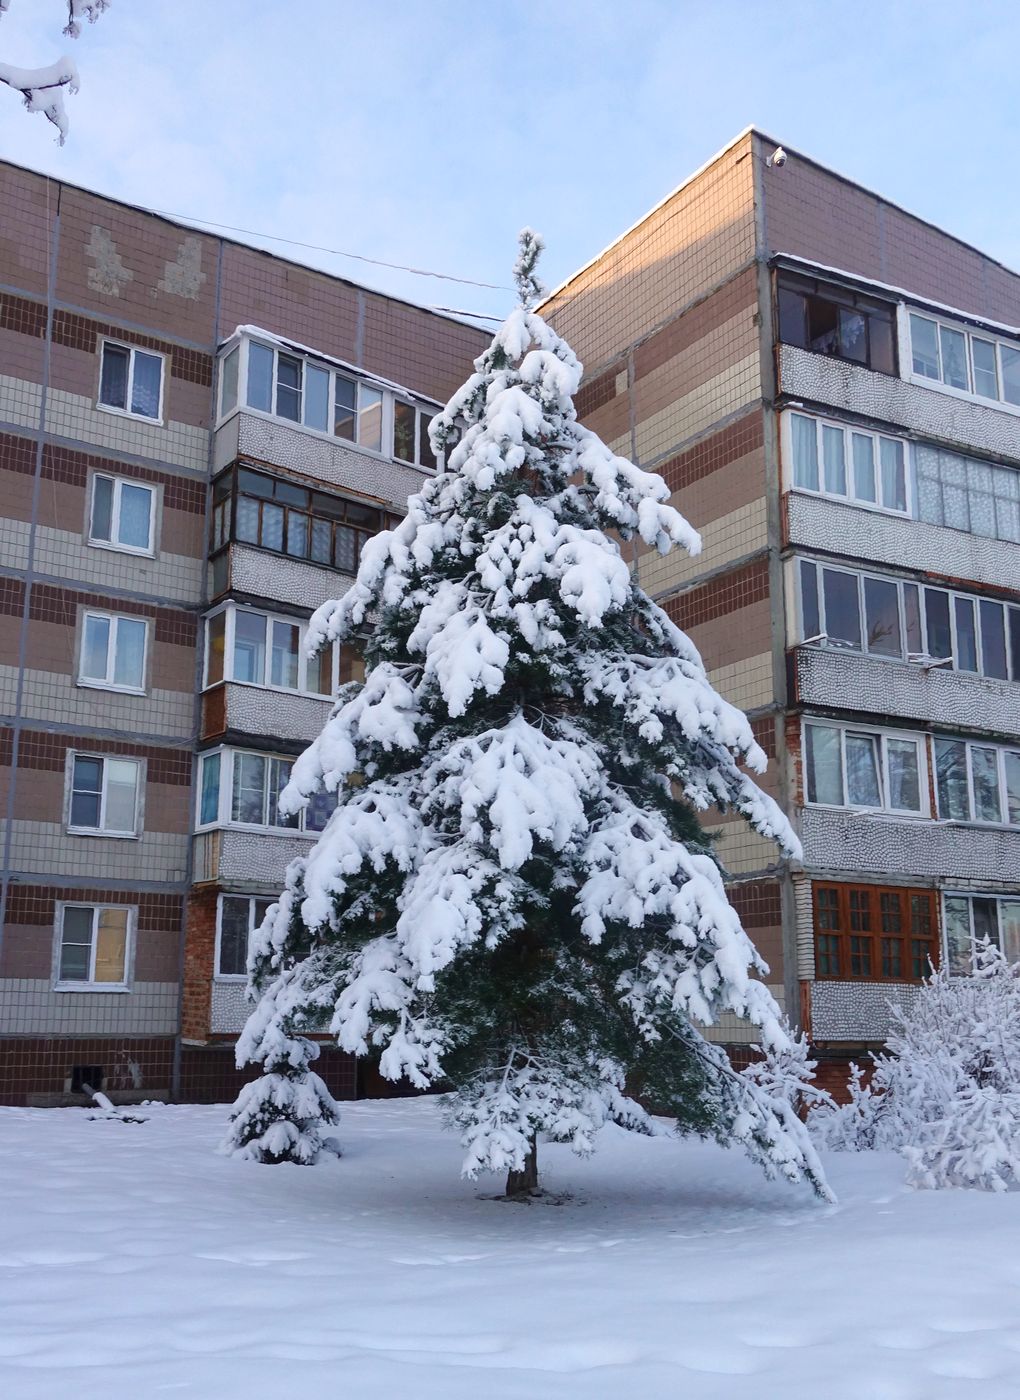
832 678
253 860
836 840
249 709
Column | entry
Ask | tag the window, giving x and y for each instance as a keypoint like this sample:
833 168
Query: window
900 619
963 493
113 652
849 463
970 361
259 648
864 768
131 380
94 946
238 916
292 386
874 933
104 795
289 519
977 782
239 787
972 918
831 320
121 514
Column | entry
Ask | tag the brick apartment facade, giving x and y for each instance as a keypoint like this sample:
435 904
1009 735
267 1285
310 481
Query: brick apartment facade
831 388
164 536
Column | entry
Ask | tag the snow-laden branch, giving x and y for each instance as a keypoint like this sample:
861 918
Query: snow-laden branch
42 89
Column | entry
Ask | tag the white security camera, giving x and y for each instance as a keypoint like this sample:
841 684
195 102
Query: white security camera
777 158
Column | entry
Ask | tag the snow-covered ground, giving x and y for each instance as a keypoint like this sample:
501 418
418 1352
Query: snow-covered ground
134 1263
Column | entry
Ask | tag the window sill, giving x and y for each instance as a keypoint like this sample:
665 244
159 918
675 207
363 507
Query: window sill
272 690
91 987
230 979
87 684
256 830
126 413
881 814
114 548
922 381
106 835
871 506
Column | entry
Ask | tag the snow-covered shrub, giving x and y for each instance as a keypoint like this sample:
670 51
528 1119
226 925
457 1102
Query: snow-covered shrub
787 1072
947 1092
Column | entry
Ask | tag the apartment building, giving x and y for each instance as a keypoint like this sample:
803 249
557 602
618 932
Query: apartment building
831 388
196 438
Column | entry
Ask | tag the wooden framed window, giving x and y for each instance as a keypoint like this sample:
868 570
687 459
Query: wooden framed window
874 933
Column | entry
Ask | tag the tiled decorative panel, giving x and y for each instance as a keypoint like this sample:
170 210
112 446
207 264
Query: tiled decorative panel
265 575
29 1006
837 840
256 711
857 1010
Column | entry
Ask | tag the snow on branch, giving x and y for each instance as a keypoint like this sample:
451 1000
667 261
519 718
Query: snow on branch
42 89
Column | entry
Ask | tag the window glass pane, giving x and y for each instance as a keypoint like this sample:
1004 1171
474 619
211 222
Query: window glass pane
426 456
76 944
370 417
924 346
247 520
279 777
1009 359
249 648
86 792
1007 519
954 506
121 794
248 799
403 431
297 534
983 354
958 937
235 913
904 779
1011 763
95 648
993 639
1014 643
986 920
842 608
228 381
320 672
951 780
824 773
792 319
113 377
215 646
129 661
864 468
317 398
805 452
835 461
284 665
322 540
912 618
271 534
936 608
823 325
882 613
111 945
146 376
319 811
966 636
134 524
894 482
102 508
810 620
929 488
346 549
260 377
343 413
288 388
352 664
210 807
954 358
1009 928
862 774
853 335
254 483
881 352
984 764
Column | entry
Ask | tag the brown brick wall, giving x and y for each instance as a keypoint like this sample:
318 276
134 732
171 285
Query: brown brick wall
31 1065
199 963
713 452
209 1075
736 588
42 750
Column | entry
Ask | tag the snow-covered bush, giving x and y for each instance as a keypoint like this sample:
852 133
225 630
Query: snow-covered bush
947 1092
787 1072
514 895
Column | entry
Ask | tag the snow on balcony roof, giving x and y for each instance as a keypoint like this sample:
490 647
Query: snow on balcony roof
260 333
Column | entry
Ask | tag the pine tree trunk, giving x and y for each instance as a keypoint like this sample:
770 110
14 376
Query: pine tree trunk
522 1183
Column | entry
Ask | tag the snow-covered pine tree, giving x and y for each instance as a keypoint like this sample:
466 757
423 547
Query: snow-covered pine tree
514 896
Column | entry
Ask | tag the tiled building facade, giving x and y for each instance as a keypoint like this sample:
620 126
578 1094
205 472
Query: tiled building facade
831 388
175 499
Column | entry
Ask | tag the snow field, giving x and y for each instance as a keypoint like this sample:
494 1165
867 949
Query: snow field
136 1263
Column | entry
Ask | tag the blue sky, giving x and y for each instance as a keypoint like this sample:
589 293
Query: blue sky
426 132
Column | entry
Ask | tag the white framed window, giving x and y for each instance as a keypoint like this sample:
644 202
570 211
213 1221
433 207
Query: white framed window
869 769
237 918
121 514
103 795
252 647
93 947
131 380
962 359
325 399
977 782
907 621
238 787
847 463
967 919
113 652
